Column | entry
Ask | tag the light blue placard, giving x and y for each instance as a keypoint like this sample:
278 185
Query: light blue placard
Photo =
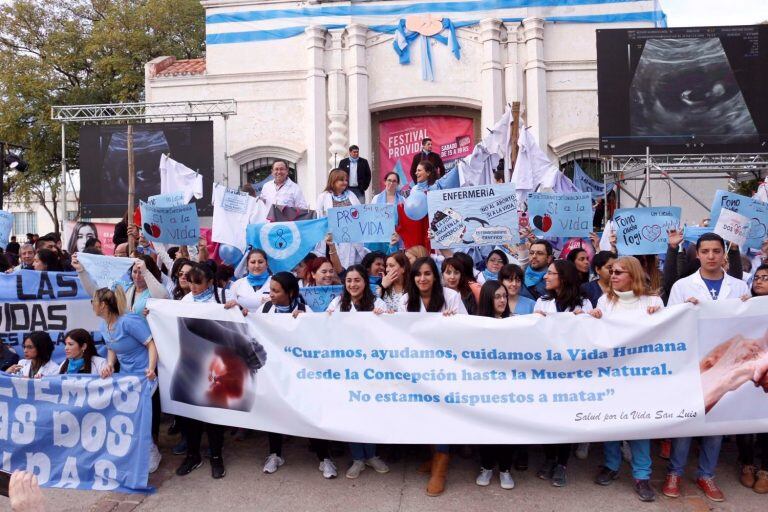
318 297
482 215
166 200
584 183
692 233
6 224
644 230
105 271
756 211
560 215
362 223
286 243
175 225
80 431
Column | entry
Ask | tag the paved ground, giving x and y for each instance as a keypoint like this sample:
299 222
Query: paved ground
299 486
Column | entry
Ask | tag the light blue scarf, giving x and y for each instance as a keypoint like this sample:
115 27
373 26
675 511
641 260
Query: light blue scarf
533 277
204 296
75 365
258 280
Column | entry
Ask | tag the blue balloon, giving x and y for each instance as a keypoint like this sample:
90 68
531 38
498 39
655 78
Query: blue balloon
230 255
416 205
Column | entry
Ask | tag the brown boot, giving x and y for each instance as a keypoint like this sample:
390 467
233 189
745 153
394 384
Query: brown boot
426 466
436 484
747 477
761 484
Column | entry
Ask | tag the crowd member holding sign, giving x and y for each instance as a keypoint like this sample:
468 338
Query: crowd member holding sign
129 342
320 272
390 194
628 292
710 282
337 194
282 191
81 354
37 362
541 255
393 283
252 291
494 303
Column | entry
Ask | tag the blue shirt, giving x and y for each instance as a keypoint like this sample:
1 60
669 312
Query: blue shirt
713 286
128 340
524 305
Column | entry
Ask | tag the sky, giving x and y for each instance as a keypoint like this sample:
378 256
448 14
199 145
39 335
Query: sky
690 13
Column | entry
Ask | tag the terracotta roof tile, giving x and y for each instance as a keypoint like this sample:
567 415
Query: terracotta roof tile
184 67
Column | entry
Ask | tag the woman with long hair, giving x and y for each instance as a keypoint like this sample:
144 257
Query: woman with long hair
629 292
337 194
320 272
37 362
580 258
252 291
47 260
81 233
415 231
455 277
394 281
179 270
81 354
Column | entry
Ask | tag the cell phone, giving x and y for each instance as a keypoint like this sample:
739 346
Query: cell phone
5 480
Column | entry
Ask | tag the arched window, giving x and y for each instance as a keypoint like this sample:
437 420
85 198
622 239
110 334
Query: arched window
257 171
588 160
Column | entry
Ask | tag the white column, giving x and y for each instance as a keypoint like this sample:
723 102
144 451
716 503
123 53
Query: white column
357 79
316 111
337 101
513 72
536 80
490 72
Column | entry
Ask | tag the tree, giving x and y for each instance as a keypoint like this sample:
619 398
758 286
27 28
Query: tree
74 52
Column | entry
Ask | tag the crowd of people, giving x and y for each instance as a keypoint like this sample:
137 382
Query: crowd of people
494 282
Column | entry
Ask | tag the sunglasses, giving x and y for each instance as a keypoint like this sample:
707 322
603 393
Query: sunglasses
615 272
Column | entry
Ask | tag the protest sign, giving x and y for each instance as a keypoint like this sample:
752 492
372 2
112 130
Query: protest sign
644 230
756 211
166 200
362 223
692 233
6 224
318 297
232 211
586 184
481 215
401 378
733 227
105 271
286 243
560 215
78 431
176 225
54 302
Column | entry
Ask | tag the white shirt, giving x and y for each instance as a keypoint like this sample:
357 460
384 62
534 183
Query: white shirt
352 173
635 303
325 201
694 286
232 212
49 368
334 305
453 302
287 194
242 291
177 177
97 364
349 253
550 306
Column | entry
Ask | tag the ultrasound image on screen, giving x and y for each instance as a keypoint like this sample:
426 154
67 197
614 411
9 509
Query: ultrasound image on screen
691 90
104 162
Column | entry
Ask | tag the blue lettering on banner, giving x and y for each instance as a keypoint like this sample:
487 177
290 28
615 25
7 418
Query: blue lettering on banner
177 225
644 230
78 431
756 211
560 215
362 223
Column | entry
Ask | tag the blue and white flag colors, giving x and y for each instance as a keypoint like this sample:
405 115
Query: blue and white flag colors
105 271
286 243
584 183
756 211
6 223
79 431
645 230
176 225
560 215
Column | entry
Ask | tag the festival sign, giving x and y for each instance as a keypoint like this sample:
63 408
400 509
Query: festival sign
78 431
644 230
6 224
175 225
400 139
482 215
367 223
401 378
756 211
733 227
560 215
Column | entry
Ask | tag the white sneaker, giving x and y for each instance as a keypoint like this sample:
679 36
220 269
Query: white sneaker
154 458
626 451
378 465
355 469
582 451
328 468
484 478
273 462
506 480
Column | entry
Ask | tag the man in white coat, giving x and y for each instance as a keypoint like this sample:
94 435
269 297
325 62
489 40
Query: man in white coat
710 282
282 191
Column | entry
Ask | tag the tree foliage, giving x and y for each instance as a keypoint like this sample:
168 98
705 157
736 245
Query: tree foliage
75 52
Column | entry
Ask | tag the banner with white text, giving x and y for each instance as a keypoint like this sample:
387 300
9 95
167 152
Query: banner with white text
428 379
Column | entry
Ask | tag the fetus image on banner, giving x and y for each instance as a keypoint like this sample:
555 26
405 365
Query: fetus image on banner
217 364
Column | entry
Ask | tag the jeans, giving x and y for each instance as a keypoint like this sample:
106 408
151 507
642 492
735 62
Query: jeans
361 451
442 448
641 457
709 450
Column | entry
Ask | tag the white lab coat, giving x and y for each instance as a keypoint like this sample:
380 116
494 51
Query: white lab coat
452 302
694 286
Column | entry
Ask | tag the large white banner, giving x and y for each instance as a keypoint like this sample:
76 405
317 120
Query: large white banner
425 378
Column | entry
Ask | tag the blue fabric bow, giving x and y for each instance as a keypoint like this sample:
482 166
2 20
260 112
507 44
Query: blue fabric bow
404 38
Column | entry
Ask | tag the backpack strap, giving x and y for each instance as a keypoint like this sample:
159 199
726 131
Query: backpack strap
267 307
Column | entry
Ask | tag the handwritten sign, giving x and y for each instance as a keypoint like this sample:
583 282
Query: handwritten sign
362 223
234 201
6 223
756 211
644 230
105 271
733 227
560 215
482 215
176 225
318 297
166 200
